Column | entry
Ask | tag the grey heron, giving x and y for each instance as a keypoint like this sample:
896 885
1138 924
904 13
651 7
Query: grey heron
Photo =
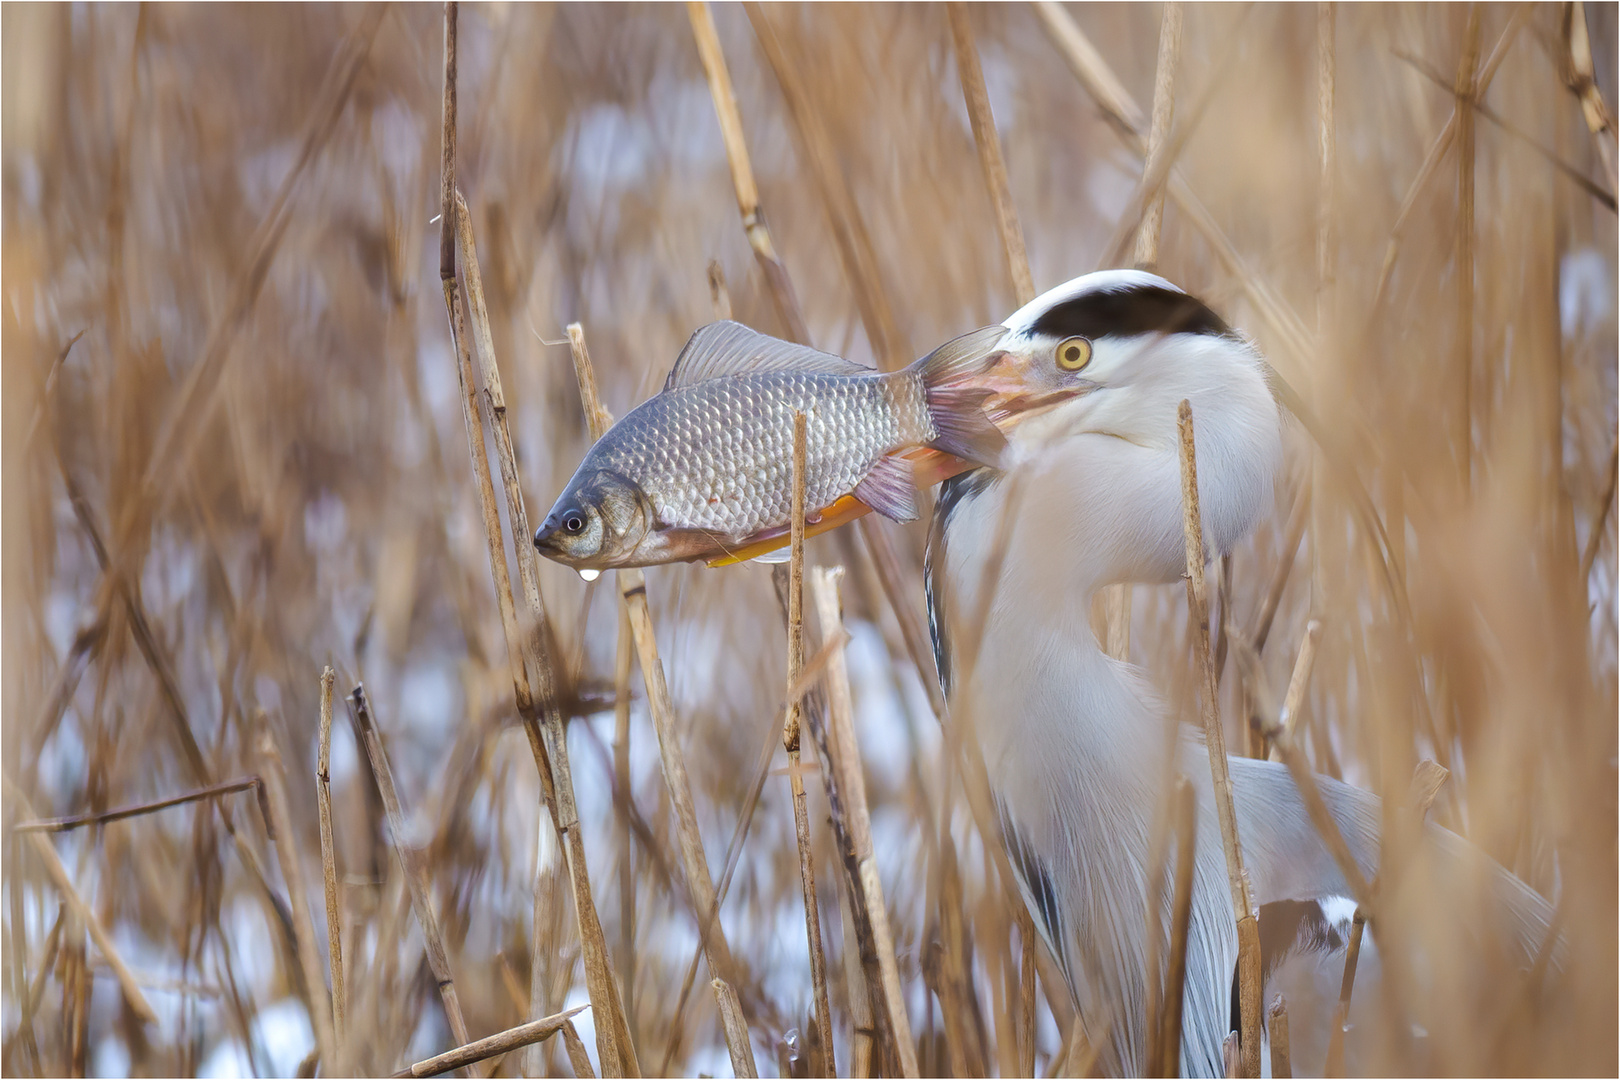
1073 739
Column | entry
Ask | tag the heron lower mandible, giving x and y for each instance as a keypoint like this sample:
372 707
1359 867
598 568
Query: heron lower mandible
1074 740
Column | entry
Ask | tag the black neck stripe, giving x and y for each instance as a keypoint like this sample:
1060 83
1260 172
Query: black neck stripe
1128 311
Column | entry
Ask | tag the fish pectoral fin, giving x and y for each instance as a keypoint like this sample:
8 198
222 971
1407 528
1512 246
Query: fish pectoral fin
888 489
780 555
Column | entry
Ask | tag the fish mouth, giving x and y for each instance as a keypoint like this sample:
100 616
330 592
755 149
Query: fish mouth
1016 393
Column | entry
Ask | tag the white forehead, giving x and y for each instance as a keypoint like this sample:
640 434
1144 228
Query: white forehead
1021 322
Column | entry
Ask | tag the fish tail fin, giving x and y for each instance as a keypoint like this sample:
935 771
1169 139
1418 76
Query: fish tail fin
955 405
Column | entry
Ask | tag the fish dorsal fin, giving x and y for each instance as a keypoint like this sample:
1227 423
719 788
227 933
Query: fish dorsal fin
730 348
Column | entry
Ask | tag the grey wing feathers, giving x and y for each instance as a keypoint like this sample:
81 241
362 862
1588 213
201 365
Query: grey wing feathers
730 348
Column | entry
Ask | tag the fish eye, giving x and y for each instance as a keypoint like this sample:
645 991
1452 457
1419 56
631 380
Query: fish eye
1074 353
573 521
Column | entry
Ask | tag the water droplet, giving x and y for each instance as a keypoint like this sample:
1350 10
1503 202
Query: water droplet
590 575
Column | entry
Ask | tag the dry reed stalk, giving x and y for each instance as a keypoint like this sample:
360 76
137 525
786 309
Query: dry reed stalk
736 1029
845 762
316 999
502 1042
1115 600
334 912
742 171
17 961
790 739
1551 156
1341 1012
1198 615
862 1022
1579 76
1437 151
1282 1067
884 560
185 419
542 720
850 235
1467 91
633 593
415 874
624 658
1164 105
1327 151
79 821
1026 991
81 911
1168 1038
990 156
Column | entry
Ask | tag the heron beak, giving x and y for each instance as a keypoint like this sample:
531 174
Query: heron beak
1017 392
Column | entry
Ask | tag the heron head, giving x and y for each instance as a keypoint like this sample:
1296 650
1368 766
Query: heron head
1115 352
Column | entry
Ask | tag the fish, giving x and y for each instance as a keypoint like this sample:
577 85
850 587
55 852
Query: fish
703 470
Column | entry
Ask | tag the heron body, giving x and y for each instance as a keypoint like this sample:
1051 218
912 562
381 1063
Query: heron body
1075 741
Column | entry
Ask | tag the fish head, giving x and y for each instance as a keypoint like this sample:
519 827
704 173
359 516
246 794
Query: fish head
601 521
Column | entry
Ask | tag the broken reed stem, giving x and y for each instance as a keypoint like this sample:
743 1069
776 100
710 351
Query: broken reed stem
1282 740
633 593
502 1042
1427 779
1169 1035
334 913
1600 520
790 739
1164 105
78 909
742 171
852 786
79 821
415 875
1198 614
530 650
991 161
1341 1012
316 1000
1299 681
731 1021
577 1057
1282 1067
1295 532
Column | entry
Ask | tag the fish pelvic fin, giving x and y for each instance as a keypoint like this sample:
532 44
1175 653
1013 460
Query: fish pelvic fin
887 488
954 404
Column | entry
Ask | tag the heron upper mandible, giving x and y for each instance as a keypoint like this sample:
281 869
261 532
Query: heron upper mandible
1074 740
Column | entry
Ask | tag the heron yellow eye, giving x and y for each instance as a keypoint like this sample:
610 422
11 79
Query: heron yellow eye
1074 353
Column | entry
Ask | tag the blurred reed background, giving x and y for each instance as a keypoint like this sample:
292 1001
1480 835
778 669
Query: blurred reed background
234 454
